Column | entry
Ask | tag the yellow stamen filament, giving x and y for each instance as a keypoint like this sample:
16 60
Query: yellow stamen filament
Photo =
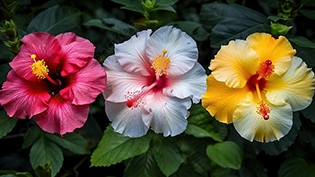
161 63
40 69
263 108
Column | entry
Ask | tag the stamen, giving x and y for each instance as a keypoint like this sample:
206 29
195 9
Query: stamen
40 69
263 110
161 63
266 69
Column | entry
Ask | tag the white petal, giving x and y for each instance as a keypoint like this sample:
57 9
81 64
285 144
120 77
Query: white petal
192 84
168 115
296 86
131 53
181 49
127 121
120 82
251 126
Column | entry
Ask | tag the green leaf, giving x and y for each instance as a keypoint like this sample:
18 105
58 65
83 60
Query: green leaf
167 155
43 171
55 20
296 166
194 29
309 111
6 123
8 175
226 154
5 53
202 125
306 53
4 69
310 3
132 5
31 135
302 41
277 147
114 25
114 148
143 165
71 141
44 151
24 174
308 13
231 21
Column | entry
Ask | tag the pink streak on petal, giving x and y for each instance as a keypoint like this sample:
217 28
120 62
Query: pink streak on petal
62 116
85 85
44 46
76 51
21 98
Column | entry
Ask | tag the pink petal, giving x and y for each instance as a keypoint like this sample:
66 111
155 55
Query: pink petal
76 50
127 121
85 85
62 116
44 46
181 49
21 98
131 54
120 82
168 114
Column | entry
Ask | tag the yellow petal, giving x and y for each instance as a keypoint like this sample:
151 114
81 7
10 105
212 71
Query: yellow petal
279 51
295 87
221 100
251 126
234 64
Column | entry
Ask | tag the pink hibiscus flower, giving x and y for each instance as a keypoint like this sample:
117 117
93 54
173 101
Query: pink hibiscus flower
54 79
151 82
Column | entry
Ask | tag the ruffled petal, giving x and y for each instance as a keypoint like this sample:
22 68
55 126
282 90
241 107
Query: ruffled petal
251 126
21 98
221 101
181 49
120 82
85 85
234 64
295 87
167 114
76 52
191 84
131 54
127 121
44 46
279 51
62 116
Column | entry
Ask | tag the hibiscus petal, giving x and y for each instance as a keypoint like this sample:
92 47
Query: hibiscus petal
44 46
181 49
127 121
234 64
21 98
62 116
167 114
76 50
131 54
251 126
85 85
279 51
221 101
191 84
295 87
120 82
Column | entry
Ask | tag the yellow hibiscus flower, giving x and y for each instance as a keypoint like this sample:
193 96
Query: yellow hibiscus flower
256 84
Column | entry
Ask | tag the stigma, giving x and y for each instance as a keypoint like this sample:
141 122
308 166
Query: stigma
161 63
263 110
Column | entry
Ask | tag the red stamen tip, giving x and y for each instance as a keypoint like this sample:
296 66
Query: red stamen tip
266 117
268 62
129 103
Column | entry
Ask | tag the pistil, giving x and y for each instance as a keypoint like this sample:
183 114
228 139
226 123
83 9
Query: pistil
40 69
